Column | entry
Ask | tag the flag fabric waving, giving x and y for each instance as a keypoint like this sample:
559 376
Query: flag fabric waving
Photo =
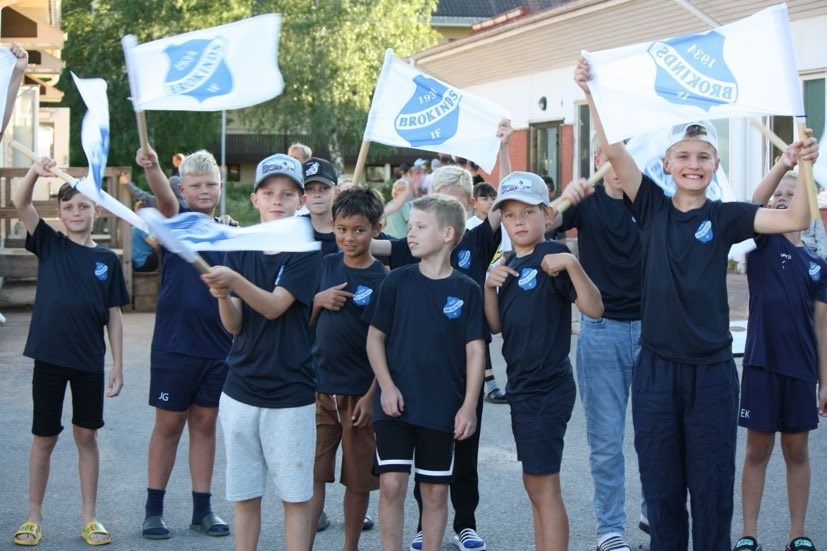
95 127
226 67
745 68
90 189
412 109
7 63
193 231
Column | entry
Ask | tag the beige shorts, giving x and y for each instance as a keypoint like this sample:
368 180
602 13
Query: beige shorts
333 425
268 441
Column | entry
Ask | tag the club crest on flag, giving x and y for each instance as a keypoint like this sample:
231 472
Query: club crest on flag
194 227
197 68
691 70
431 116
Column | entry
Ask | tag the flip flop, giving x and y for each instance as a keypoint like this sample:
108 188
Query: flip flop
155 528
212 525
92 528
30 528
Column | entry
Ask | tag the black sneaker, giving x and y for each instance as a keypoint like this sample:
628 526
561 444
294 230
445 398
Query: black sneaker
496 396
747 543
367 524
323 523
801 544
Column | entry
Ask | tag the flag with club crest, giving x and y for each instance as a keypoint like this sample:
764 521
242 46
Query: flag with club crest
744 68
413 109
220 68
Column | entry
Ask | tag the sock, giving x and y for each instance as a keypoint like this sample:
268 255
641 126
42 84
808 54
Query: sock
200 506
491 384
154 502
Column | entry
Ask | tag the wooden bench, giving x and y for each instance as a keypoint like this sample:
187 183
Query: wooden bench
145 290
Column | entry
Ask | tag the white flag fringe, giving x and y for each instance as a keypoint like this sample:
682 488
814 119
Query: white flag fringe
193 231
745 68
221 68
413 109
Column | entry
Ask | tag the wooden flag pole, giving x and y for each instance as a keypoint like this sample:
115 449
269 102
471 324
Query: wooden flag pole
360 163
34 157
143 133
806 167
593 179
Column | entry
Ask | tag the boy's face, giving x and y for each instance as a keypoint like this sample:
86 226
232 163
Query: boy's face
783 194
457 193
318 198
610 179
482 205
202 192
276 197
78 214
691 164
525 224
398 189
354 235
425 237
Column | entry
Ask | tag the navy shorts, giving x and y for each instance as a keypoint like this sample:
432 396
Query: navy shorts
539 425
771 402
178 381
49 389
396 443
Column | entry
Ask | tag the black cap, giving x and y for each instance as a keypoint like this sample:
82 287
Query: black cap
319 170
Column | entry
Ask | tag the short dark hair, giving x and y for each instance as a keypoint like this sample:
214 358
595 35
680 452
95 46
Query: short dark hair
360 201
484 189
66 192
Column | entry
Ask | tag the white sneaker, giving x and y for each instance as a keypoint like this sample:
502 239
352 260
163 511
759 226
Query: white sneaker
612 542
469 540
416 543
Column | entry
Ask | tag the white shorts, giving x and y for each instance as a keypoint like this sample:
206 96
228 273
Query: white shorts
278 441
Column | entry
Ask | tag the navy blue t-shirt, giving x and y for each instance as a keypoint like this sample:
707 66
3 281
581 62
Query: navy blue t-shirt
684 309
535 313
339 354
327 239
472 255
609 245
785 281
427 323
270 365
76 287
186 314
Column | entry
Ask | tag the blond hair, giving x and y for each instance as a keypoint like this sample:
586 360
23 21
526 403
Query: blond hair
452 176
448 212
200 162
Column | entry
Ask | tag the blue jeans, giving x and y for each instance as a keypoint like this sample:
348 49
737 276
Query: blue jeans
606 353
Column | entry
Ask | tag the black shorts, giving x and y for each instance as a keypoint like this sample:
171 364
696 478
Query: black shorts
178 381
49 390
771 402
397 442
539 425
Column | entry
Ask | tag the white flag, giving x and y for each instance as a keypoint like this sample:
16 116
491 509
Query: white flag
194 231
87 187
412 109
226 67
95 127
746 68
7 63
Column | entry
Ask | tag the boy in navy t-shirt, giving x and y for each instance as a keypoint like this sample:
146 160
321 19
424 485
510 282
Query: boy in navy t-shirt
344 379
188 357
783 361
319 193
267 405
427 395
528 298
80 290
686 442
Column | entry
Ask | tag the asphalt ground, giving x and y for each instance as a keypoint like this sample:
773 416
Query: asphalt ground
503 517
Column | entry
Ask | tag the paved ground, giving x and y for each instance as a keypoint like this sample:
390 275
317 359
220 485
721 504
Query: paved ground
504 516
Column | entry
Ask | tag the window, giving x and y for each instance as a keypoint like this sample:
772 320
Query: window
544 150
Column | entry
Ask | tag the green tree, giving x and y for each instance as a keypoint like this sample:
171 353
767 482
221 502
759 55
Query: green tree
330 54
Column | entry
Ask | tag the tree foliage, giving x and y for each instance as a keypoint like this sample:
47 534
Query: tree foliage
330 55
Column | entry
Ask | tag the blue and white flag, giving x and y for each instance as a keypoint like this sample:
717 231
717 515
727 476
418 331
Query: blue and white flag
88 187
94 134
226 67
746 68
193 231
412 109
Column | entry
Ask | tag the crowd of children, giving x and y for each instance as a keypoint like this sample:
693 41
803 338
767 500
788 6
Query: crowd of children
299 353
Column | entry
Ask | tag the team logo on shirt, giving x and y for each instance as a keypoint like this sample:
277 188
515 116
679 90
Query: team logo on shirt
101 271
528 279
691 70
464 259
452 308
278 277
814 271
362 295
197 69
704 232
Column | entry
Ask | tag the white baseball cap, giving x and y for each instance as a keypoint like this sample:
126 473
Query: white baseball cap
706 133
524 187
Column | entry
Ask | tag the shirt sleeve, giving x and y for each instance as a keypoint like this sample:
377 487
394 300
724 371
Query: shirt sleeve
382 315
649 200
475 329
118 293
41 240
401 253
301 276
